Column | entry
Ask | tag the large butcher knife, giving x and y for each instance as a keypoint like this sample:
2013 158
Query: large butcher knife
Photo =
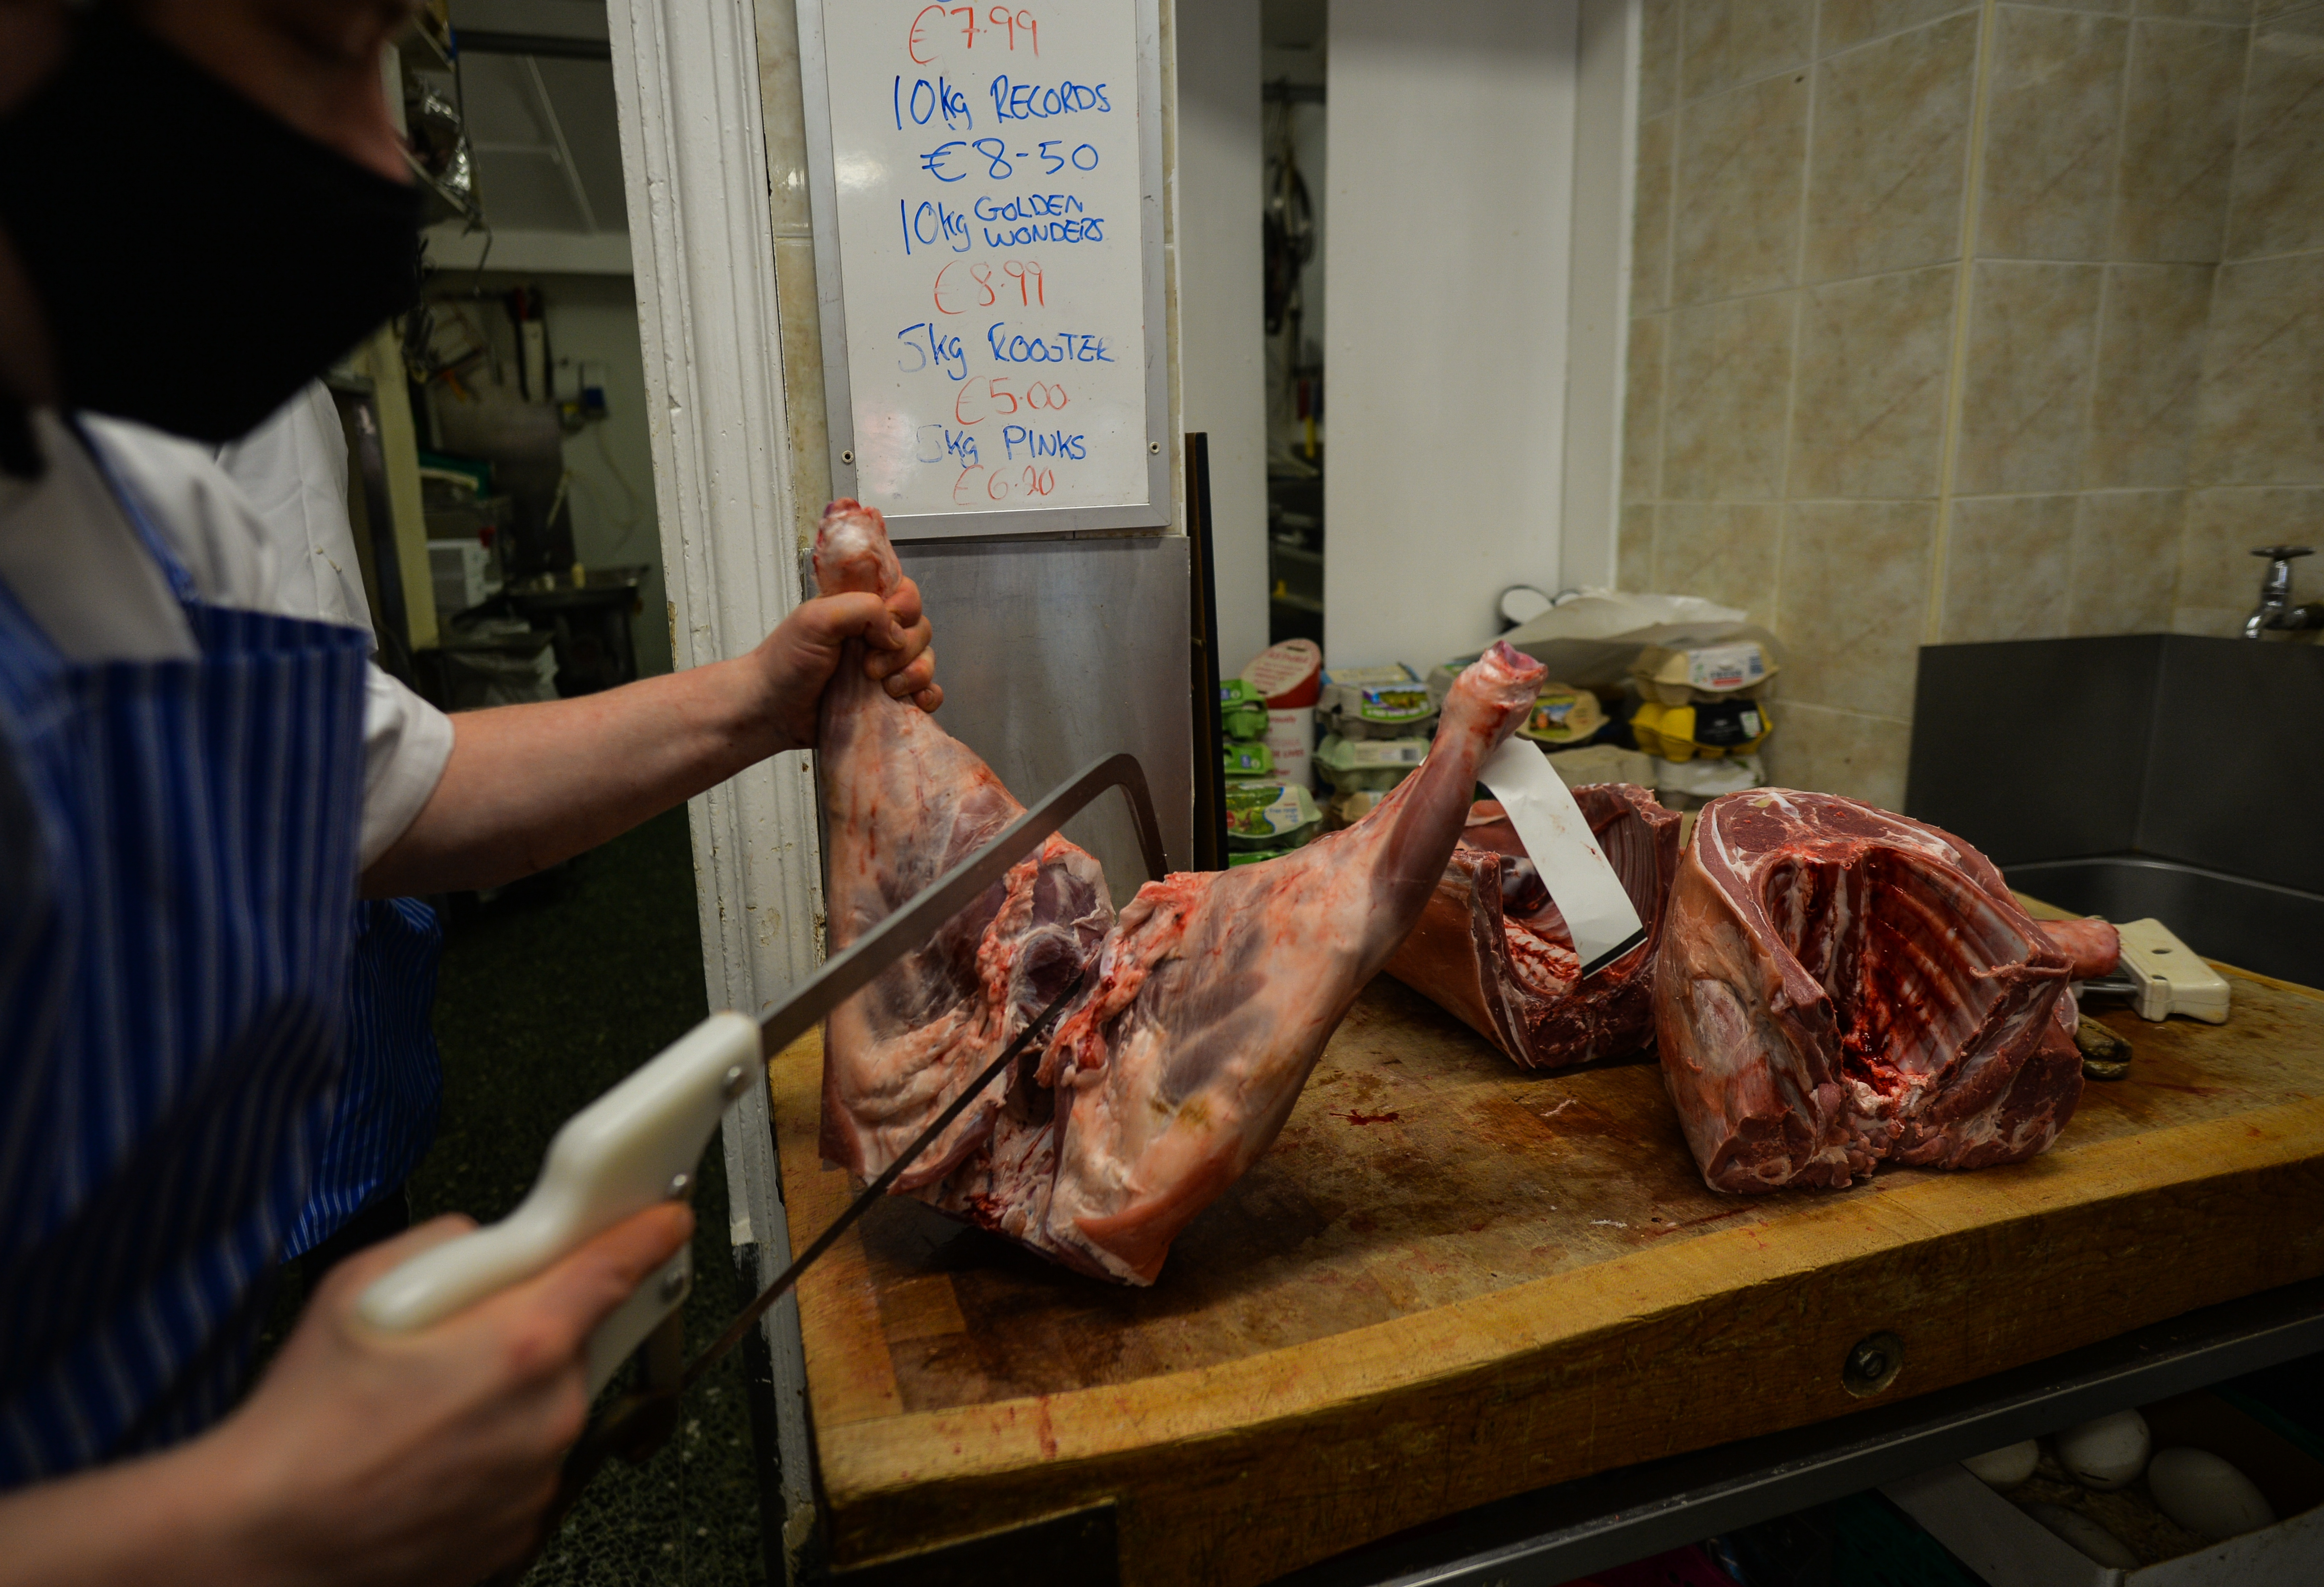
1599 917
640 1143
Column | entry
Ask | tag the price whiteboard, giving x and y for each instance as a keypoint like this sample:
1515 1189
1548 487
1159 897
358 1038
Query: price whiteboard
986 182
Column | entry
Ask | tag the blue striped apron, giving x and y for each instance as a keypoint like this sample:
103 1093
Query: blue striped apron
176 902
393 1085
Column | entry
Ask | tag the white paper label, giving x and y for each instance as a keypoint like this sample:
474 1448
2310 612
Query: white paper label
1725 666
1291 739
1597 910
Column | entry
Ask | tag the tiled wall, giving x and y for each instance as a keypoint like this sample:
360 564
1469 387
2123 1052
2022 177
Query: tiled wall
1967 323
2256 471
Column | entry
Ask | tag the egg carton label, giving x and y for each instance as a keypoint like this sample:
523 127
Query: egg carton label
1725 666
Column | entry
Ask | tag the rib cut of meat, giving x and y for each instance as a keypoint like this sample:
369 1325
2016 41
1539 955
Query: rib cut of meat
1208 1002
1839 986
904 802
1492 948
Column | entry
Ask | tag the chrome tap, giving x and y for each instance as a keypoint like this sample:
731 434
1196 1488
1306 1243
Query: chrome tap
2275 609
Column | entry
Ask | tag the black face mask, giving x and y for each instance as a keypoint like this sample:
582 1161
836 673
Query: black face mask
197 261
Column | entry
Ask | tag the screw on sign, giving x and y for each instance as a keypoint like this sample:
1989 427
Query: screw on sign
1872 1364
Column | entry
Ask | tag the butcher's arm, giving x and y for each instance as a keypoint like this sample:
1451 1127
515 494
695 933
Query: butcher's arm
527 786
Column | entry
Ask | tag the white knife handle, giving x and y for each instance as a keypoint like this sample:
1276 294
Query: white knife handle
635 1146
2170 977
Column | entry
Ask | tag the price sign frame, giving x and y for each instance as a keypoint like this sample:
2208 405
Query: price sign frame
1156 511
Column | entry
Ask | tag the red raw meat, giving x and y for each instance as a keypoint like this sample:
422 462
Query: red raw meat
1211 1000
1215 995
1217 991
2093 946
903 802
1492 948
1839 986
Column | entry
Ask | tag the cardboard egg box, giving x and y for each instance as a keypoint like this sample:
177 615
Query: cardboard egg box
1987 1532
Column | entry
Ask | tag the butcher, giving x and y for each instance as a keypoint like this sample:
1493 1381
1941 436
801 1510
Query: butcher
197 785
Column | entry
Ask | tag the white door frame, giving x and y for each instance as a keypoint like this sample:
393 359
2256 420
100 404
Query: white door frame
1598 311
686 77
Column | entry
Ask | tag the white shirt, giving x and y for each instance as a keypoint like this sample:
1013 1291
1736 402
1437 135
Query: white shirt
76 566
293 468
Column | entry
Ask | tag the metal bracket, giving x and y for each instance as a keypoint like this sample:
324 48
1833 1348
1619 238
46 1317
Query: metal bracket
1082 1547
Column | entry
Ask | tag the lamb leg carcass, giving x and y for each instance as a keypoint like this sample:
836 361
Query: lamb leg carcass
904 802
1207 1005
1217 991
1840 986
1492 949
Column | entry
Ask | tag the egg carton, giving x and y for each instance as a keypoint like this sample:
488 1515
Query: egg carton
2006 1546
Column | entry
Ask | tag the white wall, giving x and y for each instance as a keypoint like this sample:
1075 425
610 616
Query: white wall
595 317
1605 166
1220 311
1452 136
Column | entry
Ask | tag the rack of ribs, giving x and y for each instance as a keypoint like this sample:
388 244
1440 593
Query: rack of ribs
1839 986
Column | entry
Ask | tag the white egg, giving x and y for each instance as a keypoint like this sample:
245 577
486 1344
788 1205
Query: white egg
2205 1495
2100 1546
2007 1466
2107 1453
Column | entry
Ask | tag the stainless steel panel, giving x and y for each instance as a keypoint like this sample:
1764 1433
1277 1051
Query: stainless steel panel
2202 751
2275 930
1052 652
2034 749
2237 756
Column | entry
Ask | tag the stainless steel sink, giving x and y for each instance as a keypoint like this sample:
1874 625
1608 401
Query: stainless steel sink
2275 930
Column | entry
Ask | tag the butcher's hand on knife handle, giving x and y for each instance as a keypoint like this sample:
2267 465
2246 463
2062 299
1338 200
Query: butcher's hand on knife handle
361 1459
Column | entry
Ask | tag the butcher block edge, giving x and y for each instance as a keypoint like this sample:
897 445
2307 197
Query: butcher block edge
1237 1472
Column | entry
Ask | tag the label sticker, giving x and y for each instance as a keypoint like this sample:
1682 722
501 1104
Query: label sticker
1725 666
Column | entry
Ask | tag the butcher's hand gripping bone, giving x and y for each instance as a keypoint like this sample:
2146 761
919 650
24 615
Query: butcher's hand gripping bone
1839 986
